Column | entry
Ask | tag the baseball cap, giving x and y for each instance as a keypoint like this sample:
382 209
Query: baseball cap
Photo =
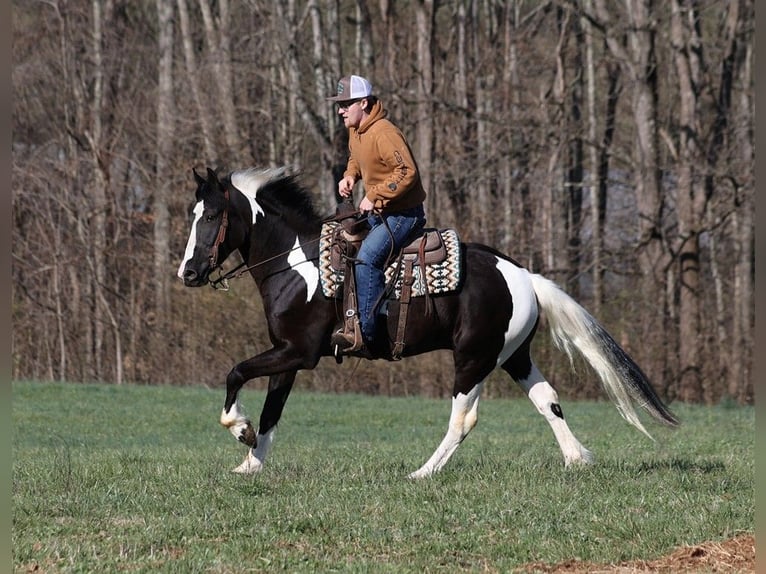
352 88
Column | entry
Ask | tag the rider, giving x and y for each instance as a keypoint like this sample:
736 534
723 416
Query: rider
393 198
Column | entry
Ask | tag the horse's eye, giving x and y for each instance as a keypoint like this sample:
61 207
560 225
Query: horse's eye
209 217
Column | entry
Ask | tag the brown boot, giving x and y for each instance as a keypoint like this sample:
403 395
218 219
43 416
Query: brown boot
345 343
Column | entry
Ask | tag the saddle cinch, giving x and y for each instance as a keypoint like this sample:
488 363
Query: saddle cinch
428 248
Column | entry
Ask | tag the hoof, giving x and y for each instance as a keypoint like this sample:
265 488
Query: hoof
239 425
246 435
243 431
250 465
418 475
586 458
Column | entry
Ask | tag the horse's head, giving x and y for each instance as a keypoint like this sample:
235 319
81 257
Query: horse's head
207 246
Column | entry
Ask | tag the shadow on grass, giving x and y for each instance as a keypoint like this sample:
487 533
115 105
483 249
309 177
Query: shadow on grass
682 465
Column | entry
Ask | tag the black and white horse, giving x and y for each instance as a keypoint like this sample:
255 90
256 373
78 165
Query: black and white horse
488 322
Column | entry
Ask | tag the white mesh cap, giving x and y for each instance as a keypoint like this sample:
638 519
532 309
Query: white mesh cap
352 88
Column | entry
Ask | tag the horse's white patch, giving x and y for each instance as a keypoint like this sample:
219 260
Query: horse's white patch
310 273
192 241
524 307
249 181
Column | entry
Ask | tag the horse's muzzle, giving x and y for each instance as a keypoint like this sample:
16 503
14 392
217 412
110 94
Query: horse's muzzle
192 279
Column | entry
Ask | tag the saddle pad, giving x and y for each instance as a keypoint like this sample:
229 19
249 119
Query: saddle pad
441 277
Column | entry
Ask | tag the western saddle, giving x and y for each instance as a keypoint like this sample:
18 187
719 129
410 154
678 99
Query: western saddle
424 249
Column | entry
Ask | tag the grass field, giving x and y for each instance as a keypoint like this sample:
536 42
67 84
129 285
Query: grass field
136 479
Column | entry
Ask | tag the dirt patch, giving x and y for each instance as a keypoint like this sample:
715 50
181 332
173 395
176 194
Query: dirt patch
736 555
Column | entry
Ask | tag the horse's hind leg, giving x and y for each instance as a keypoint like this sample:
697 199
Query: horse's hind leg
545 398
465 414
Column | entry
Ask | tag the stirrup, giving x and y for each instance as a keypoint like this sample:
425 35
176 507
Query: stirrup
349 344
345 342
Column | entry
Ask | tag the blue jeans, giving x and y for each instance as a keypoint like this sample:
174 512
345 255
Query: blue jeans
369 270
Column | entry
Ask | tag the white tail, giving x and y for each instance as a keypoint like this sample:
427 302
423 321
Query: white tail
574 329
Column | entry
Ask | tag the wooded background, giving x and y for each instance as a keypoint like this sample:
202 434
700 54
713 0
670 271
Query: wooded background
608 145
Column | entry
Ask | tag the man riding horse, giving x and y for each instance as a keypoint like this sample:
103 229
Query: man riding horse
393 201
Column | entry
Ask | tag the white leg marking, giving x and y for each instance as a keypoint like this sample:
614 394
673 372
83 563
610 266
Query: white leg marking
235 420
192 241
465 414
256 457
543 396
524 307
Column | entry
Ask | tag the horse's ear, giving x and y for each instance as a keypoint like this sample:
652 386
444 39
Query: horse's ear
198 178
211 175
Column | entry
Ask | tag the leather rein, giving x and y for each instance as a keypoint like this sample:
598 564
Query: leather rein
222 281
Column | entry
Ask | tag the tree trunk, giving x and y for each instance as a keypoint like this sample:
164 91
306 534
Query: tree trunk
605 151
424 130
219 43
163 167
482 205
98 188
193 75
555 204
575 165
594 181
388 50
740 385
364 38
687 72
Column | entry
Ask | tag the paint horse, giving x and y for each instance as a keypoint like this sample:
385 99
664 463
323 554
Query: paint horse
488 322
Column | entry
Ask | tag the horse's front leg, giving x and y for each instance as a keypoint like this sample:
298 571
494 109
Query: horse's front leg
234 418
279 389
274 362
232 415
281 366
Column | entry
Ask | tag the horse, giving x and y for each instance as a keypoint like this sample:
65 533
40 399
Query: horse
489 322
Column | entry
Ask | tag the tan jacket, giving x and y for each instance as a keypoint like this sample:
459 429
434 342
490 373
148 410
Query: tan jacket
382 159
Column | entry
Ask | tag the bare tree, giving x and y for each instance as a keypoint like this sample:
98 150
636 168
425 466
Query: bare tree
740 377
596 207
554 203
193 76
165 140
364 36
575 158
425 11
637 57
388 50
697 183
217 34
690 198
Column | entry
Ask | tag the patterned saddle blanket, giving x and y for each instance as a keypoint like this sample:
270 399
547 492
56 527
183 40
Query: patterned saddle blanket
438 277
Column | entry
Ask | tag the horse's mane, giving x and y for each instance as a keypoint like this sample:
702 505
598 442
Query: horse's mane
276 189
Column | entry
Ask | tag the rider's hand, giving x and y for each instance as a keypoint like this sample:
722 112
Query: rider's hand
366 205
346 186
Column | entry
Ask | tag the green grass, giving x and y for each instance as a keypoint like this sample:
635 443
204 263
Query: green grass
137 479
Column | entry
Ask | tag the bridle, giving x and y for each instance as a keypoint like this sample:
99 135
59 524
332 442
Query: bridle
222 281
221 233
